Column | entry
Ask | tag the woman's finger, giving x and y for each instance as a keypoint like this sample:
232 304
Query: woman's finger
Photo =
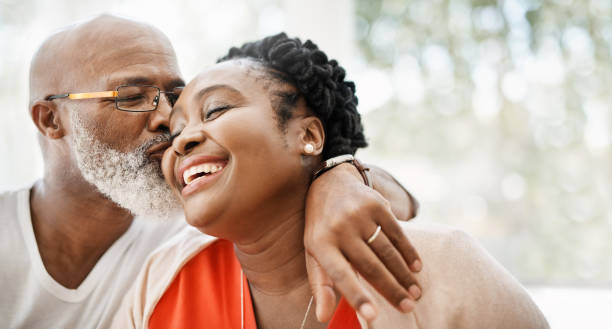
395 234
367 263
395 263
322 289
346 281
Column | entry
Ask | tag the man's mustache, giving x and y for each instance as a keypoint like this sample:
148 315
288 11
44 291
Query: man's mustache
141 151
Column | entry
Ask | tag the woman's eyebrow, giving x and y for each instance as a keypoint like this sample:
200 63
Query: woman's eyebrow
202 93
212 88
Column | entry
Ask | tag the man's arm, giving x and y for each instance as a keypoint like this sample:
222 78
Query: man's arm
341 214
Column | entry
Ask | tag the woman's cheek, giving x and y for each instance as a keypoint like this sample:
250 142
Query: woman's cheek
167 164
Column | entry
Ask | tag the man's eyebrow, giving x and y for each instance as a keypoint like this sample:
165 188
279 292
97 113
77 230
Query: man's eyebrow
132 80
176 83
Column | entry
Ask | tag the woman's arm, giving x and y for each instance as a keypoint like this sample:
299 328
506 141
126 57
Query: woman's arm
403 204
341 214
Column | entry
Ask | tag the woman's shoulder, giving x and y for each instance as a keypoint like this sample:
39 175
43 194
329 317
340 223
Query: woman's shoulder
454 261
182 246
157 273
425 228
165 262
463 285
438 241
428 230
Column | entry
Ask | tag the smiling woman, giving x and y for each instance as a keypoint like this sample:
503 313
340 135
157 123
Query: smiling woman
241 166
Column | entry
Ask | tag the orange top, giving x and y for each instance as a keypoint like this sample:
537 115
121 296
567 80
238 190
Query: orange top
206 294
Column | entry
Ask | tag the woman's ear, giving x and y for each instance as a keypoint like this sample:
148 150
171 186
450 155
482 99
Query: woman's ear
312 136
46 118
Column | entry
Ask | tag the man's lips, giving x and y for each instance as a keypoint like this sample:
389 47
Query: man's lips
157 151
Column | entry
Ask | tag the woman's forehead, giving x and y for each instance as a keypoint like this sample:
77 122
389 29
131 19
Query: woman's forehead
239 77
236 73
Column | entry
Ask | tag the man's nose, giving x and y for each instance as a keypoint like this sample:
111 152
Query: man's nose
159 120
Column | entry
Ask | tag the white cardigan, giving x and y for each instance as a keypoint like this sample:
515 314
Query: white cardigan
463 286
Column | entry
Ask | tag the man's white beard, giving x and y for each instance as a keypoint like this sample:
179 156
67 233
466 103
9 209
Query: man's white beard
131 180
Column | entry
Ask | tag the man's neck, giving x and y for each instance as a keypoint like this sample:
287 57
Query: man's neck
74 225
275 266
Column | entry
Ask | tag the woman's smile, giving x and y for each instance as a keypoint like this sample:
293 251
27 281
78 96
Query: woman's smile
199 171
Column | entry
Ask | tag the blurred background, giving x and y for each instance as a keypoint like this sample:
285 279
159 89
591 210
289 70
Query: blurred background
495 114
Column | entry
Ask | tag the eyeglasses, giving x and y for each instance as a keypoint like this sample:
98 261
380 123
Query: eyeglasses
129 98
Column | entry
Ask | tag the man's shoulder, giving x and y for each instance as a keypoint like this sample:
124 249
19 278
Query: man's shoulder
14 215
9 198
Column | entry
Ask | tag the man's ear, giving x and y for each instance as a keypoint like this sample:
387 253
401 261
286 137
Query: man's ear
46 118
312 133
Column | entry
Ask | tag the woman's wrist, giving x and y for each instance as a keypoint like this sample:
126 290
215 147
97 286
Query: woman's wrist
345 160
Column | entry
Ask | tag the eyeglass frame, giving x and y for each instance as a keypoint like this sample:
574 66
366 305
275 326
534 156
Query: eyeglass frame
115 93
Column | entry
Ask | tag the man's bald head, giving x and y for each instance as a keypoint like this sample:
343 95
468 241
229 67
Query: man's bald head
76 58
89 143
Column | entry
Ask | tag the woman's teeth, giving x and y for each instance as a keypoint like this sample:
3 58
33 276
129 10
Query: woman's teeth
194 172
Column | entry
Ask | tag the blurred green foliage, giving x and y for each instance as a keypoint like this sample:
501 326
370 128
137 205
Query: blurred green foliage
499 116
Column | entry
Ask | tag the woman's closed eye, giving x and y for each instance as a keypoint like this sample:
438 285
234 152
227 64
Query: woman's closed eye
216 111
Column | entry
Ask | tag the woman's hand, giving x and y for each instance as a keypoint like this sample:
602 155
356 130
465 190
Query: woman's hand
342 213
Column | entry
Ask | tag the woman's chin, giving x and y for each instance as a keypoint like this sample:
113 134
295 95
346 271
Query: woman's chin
202 216
197 219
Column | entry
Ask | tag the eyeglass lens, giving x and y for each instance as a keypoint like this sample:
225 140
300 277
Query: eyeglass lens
137 98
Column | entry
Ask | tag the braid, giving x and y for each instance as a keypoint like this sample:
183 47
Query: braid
319 80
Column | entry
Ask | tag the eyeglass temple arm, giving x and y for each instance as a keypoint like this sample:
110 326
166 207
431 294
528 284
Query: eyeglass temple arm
98 94
56 96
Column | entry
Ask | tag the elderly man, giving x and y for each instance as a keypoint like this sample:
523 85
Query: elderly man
74 241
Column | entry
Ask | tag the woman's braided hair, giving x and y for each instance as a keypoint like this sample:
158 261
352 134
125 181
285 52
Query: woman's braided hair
319 80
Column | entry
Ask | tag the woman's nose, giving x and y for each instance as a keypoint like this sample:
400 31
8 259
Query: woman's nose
187 140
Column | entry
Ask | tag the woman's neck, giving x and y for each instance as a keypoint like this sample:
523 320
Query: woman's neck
275 263
275 266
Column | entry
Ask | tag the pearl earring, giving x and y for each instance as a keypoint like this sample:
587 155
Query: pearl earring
308 148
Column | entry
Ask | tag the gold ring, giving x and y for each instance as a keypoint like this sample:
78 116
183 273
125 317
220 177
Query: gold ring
376 233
